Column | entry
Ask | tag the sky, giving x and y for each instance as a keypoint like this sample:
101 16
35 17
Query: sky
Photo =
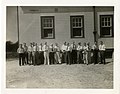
11 24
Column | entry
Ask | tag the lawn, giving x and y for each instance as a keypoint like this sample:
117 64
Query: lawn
59 76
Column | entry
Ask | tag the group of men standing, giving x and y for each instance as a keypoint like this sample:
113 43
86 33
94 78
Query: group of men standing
70 54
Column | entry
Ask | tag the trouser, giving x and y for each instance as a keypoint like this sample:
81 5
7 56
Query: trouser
68 57
89 56
95 56
26 57
46 58
51 57
79 57
74 56
30 58
64 57
36 58
57 57
33 54
85 58
41 57
102 57
21 59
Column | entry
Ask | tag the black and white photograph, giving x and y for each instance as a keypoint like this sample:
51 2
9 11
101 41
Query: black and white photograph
59 47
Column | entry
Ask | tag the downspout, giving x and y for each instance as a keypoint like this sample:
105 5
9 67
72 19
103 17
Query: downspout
94 32
18 24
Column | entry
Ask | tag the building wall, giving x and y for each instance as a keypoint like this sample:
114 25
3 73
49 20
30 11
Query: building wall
11 24
30 24
30 28
109 42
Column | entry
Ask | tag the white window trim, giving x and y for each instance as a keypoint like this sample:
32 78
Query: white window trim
78 14
53 35
98 20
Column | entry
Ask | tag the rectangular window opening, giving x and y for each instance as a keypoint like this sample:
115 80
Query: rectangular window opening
106 25
77 26
47 27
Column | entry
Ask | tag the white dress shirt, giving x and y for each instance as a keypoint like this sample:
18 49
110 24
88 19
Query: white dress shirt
35 48
85 48
20 50
30 48
68 48
51 49
79 47
102 47
56 48
40 48
45 48
94 47
25 48
73 46
64 47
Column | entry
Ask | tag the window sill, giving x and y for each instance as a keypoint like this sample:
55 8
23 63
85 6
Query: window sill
47 38
106 36
77 37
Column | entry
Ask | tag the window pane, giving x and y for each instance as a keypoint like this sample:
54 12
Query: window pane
105 31
76 24
73 20
109 19
102 19
76 28
76 32
73 24
106 28
102 23
47 25
105 19
105 23
44 20
80 25
47 22
43 25
50 24
48 33
108 23
47 29
77 20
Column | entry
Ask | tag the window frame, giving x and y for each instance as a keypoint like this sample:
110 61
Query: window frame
112 32
71 26
42 27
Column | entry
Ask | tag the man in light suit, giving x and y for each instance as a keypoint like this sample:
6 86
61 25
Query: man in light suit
57 54
30 56
46 54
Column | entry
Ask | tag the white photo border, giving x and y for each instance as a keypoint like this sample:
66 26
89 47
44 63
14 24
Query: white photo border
116 86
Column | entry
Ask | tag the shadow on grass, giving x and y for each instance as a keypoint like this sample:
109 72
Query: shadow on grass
11 59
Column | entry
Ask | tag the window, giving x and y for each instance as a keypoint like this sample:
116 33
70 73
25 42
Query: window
106 25
77 26
47 27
